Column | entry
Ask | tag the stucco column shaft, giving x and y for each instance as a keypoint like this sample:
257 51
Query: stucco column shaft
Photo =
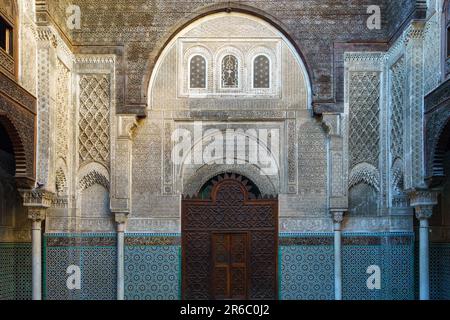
121 219
338 217
423 202
337 262
36 260
424 260
120 261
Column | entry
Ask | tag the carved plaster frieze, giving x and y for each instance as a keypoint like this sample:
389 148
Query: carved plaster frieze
39 198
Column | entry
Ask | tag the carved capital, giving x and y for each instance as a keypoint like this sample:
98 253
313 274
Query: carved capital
37 214
126 125
423 203
337 215
424 212
332 123
121 217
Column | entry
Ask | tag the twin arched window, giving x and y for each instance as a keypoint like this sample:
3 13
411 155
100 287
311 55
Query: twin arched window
229 72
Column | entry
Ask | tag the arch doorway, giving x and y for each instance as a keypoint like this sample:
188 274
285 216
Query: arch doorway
229 241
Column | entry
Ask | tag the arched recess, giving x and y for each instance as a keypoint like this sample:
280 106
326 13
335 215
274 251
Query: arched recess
437 139
23 165
229 7
265 175
13 216
260 18
364 188
93 189
195 183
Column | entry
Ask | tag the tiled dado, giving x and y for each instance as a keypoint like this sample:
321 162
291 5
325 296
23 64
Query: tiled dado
152 266
15 271
94 254
439 271
307 265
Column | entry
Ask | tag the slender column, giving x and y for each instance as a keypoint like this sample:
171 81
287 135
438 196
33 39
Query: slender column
424 260
423 203
121 219
37 201
338 217
36 216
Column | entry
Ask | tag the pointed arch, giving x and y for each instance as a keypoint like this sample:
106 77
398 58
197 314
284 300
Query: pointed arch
23 165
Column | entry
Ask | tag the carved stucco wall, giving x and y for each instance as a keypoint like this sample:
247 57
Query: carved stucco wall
300 178
407 71
88 205
363 81
432 48
376 80
313 25
80 132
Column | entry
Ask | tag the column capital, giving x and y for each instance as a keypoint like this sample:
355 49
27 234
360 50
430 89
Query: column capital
37 201
126 125
424 212
36 214
332 123
423 202
121 217
337 215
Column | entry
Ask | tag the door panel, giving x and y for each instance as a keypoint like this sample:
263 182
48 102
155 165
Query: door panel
229 265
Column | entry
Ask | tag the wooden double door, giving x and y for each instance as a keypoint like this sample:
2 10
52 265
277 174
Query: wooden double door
229 243
230 266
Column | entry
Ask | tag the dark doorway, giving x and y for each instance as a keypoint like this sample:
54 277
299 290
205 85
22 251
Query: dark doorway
229 241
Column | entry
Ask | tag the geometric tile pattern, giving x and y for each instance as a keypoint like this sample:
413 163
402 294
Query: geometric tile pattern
395 261
356 259
97 262
401 272
15 271
306 272
306 267
152 272
440 271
